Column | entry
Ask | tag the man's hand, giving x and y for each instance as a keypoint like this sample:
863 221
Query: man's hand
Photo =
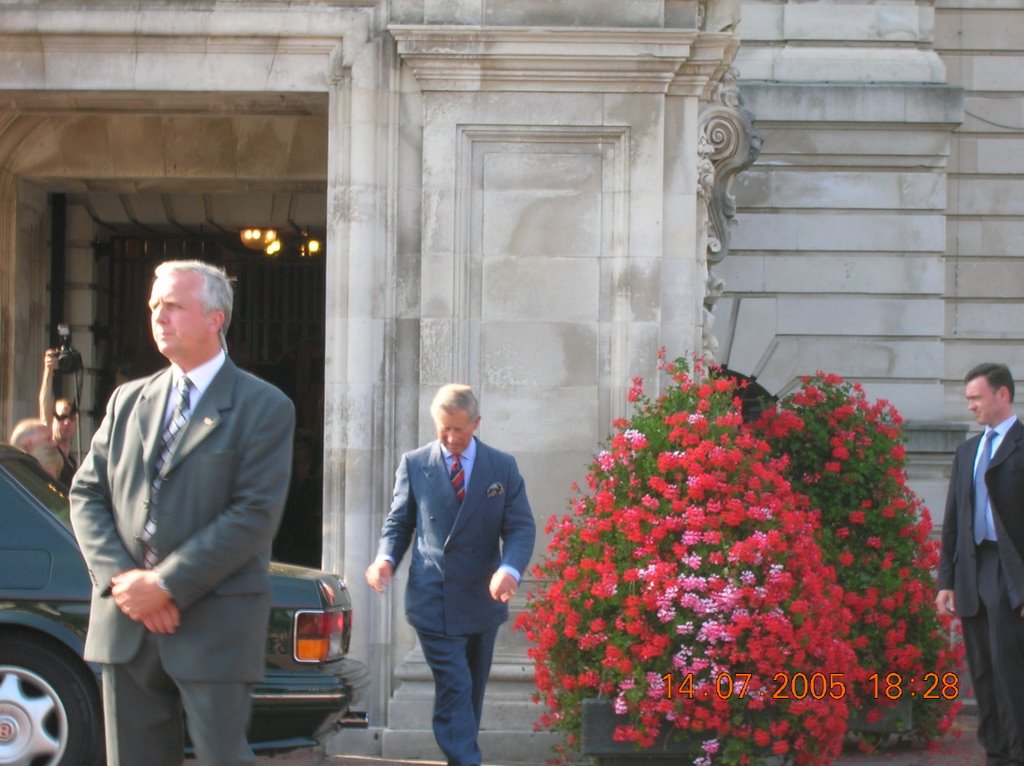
378 574
945 603
138 594
503 586
165 620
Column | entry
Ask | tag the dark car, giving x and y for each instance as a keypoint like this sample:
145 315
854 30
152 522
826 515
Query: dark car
50 710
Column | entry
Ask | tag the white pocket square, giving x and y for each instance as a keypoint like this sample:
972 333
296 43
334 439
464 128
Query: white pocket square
494 490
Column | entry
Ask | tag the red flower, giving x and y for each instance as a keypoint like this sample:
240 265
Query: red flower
687 556
847 455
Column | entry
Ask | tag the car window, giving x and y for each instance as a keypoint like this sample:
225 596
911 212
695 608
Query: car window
50 493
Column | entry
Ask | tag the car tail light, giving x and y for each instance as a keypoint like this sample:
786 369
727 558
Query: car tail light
321 636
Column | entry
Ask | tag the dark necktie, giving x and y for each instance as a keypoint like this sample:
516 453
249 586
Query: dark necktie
168 440
458 478
980 490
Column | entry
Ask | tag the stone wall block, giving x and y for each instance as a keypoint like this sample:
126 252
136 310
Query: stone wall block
536 354
853 315
559 288
826 231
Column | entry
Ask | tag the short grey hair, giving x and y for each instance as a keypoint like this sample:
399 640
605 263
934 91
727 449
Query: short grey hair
217 292
455 396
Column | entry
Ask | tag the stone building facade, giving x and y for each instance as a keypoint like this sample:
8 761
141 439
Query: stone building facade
531 197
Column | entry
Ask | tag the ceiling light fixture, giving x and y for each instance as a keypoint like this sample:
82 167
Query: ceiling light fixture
309 248
260 239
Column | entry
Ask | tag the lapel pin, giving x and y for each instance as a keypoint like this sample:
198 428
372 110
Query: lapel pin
207 421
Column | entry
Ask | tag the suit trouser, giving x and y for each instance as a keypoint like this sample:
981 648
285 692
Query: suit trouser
142 711
461 665
994 642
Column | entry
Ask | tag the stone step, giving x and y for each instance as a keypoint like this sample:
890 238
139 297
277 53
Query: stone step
508 748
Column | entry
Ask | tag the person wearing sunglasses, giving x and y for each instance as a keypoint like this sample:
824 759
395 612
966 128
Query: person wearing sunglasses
60 416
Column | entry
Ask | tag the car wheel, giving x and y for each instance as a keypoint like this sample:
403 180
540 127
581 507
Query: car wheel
50 713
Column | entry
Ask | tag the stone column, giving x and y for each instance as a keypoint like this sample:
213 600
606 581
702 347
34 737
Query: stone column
358 412
24 271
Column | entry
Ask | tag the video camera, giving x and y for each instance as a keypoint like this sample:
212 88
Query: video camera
68 358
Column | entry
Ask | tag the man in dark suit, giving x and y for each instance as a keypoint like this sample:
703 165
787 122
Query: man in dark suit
981 569
462 505
175 508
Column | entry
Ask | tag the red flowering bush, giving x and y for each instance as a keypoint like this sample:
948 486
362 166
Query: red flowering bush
686 586
847 455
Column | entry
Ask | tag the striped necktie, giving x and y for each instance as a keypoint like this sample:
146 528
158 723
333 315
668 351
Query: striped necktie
458 478
168 440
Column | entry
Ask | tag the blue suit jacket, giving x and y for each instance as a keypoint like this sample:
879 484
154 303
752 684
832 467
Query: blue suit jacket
455 551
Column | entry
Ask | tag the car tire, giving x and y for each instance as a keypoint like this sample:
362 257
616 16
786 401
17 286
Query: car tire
50 710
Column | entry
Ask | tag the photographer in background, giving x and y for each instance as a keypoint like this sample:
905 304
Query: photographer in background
61 415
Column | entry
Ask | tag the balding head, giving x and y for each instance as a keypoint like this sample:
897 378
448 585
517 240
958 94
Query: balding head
29 434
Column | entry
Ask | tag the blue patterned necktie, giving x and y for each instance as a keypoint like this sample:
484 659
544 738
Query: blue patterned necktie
458 478
168 440
980 490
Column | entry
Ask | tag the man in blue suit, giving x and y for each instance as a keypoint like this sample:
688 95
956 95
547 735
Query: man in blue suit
463 507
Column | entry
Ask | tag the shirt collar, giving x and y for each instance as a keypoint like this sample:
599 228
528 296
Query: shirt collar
202 376
467 455
1003 427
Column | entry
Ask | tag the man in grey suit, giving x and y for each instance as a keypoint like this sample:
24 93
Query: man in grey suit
175 507
981 568
462 506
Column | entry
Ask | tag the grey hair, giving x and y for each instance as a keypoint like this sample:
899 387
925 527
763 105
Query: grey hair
217 292
455 396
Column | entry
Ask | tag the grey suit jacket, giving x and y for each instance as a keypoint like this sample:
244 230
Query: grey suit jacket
221 500
1005 481
456 550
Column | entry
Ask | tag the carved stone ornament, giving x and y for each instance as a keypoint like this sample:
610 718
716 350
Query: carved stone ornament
731 143
728 143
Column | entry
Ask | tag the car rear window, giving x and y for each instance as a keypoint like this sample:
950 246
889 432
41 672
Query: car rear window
50 493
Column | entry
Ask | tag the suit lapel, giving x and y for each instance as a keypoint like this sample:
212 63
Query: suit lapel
437 474
150 414
207 415
1009 444
967 464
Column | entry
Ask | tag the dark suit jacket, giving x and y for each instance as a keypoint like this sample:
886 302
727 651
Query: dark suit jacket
457 550
220 502
1005 481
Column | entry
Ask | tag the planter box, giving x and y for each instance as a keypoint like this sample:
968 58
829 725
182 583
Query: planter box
672 746
599 722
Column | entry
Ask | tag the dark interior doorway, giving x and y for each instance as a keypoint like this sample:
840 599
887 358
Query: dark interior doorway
276 332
